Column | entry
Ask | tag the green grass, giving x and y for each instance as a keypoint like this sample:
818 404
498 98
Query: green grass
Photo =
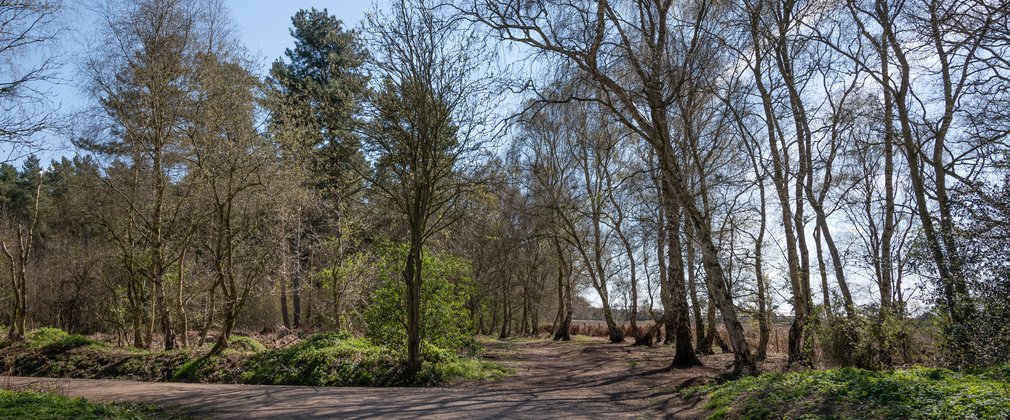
917 393
34 405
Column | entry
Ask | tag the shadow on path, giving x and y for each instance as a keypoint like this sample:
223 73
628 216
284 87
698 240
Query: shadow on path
586 379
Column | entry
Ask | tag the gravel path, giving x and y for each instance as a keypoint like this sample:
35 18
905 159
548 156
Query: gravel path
579 379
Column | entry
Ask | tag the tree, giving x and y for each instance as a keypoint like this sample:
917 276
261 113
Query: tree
426 120
19 261
314 98
230 161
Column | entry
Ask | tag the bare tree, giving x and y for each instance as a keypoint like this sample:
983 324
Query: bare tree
19 261
231 160
27 65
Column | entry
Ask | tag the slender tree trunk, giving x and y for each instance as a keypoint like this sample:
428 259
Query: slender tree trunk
208 321
506 308
692 282
563 329
285 272
180 303
764 327
296 278
885 262
137 310
825 291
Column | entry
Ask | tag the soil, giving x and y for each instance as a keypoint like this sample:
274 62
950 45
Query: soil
583 378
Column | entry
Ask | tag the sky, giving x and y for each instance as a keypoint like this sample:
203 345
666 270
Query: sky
262 25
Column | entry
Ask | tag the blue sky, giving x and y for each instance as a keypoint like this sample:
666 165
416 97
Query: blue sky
262 26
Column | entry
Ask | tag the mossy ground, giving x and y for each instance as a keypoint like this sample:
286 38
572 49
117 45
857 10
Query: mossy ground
916 393
319 360
39 405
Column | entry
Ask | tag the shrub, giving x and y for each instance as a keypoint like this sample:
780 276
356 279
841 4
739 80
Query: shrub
445 289
55 339
334 359
245 344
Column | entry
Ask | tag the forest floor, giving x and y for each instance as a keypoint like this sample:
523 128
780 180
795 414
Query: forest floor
584 378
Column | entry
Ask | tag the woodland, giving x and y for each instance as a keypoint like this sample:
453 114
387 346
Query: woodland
817 188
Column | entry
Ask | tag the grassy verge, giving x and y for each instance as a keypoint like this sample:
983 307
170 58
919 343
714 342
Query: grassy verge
917 393
319 360
35 405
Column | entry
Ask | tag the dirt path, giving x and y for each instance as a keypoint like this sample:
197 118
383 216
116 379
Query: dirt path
581 379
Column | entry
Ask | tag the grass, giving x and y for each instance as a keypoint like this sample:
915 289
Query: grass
35 405
327 359
916 393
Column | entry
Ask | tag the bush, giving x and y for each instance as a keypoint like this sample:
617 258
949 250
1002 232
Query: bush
55 339
246 344
445 289
334 359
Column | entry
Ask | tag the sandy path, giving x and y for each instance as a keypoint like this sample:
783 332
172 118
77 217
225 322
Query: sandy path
584 379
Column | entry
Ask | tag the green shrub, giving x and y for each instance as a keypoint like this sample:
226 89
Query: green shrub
445 289
45 335
55 339
334 359
245 344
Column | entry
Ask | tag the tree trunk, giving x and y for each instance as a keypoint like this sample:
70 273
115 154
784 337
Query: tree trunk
180 304
285 272
296 276
684 356
692 282
412 277
506 309
764 327
825 290
709 334
563 329
208 321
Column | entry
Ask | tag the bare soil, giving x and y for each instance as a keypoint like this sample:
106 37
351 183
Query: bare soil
584 378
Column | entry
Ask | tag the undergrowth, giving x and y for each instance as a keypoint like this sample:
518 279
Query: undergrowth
329 359
38 405
916 393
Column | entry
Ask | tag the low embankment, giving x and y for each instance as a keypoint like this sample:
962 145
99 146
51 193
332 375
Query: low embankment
328 359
